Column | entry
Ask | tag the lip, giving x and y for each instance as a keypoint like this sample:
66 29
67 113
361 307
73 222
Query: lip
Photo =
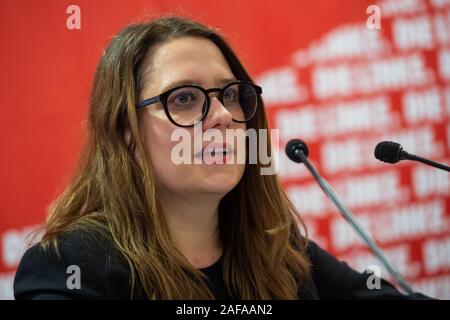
207 149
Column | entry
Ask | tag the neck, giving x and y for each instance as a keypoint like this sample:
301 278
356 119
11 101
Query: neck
194 227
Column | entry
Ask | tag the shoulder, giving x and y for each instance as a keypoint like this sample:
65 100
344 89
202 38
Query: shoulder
85 265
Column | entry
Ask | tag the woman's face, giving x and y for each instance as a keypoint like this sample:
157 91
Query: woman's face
196 61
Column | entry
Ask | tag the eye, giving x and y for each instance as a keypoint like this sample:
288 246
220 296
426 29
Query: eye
184 97
230 94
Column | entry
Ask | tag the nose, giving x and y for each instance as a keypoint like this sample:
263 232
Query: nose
218 116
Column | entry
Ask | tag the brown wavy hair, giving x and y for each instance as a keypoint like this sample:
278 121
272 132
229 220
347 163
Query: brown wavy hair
114 192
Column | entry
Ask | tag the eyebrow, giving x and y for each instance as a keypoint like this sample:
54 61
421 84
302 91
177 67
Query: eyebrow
186 82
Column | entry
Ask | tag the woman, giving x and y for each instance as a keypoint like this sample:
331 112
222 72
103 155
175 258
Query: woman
134 224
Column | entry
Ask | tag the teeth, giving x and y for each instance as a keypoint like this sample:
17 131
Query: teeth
217 151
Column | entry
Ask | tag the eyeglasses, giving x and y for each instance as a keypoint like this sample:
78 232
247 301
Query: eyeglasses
185 105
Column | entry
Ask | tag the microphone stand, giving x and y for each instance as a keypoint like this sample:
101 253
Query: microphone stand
438 165
354 223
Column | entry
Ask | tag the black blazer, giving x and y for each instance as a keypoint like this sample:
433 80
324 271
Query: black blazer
105 274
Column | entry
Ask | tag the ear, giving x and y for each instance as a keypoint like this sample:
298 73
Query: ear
127 136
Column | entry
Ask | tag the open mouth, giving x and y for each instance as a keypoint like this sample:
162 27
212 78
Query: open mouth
216 153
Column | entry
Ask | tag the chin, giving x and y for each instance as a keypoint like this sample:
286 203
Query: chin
222 181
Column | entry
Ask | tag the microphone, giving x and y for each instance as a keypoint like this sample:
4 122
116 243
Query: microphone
293 149
297 151
392 152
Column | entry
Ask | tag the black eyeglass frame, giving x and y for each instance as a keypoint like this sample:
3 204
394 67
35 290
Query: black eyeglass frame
165 95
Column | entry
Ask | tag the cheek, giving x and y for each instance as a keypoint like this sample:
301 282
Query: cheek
157 133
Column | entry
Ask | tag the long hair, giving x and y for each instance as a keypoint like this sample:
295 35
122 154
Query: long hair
114 193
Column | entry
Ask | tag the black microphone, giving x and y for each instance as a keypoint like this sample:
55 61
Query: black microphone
297 151
392 152
293 149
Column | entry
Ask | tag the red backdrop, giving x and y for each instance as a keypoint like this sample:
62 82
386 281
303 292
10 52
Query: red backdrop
327 78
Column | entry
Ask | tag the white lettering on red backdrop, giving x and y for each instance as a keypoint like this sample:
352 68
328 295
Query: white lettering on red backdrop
350 89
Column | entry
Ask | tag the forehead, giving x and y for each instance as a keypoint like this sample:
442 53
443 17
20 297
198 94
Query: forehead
191 59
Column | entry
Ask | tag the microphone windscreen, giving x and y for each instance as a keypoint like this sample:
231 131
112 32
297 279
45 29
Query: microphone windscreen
388 151
293 146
